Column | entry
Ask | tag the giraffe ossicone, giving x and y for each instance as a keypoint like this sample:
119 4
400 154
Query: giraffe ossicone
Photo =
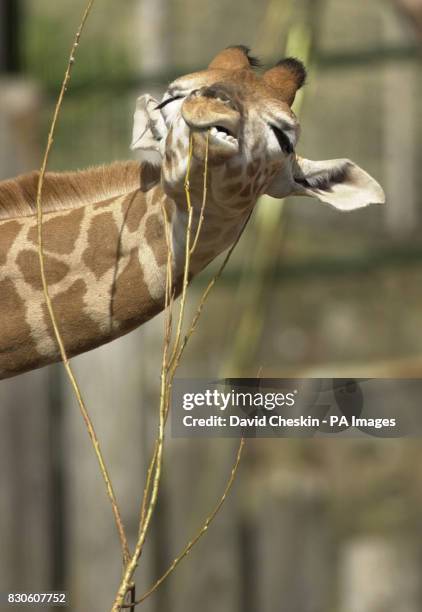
105 245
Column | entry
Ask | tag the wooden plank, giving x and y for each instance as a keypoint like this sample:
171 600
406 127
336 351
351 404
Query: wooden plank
20 103
26 495
209 578
25 485
399 95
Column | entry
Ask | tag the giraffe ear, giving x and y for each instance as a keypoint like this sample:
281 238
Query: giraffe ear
149 128
338 182
286 78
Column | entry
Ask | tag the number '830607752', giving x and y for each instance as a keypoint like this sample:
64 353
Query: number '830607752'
50 597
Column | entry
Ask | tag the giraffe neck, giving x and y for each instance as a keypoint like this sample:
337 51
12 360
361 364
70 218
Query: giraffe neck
106 270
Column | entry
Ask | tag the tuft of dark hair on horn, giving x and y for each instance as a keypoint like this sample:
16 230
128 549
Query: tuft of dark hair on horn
296 67
254 62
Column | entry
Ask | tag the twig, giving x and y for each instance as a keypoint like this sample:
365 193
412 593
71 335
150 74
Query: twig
167 336
169 295
208 289
187 256
153 480
147 486
168 369
204 197
74 384
200 533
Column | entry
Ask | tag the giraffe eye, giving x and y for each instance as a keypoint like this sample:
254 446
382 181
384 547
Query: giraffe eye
283 140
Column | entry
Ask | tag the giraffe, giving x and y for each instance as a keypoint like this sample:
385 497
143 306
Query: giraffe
104 239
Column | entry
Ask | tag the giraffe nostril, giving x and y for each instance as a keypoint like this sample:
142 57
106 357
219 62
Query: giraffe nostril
219 93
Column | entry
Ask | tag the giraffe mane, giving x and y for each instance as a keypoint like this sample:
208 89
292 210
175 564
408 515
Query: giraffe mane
64 190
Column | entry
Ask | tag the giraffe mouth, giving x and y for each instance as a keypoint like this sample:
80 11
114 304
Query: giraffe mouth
222 135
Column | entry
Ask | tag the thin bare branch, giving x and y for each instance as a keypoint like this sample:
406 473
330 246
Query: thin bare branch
187 255
168 369
204 197
150 494
72 379
148 506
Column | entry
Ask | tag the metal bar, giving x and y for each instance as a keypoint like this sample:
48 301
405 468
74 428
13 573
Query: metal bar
367 57
10 55
325 267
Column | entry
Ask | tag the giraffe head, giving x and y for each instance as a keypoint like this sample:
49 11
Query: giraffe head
252 135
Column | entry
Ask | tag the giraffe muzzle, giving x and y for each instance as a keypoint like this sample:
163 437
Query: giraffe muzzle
202 112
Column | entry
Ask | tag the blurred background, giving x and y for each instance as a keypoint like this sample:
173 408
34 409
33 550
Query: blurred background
311 525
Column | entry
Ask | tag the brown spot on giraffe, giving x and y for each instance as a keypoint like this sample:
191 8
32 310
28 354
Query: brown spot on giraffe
29 266
154 234
102 251
252 169
246 192
103 204
150 175
60 233
17 348
131 302
8 233
78 330
134 208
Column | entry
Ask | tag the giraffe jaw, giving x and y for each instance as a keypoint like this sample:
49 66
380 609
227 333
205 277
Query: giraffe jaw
221 144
